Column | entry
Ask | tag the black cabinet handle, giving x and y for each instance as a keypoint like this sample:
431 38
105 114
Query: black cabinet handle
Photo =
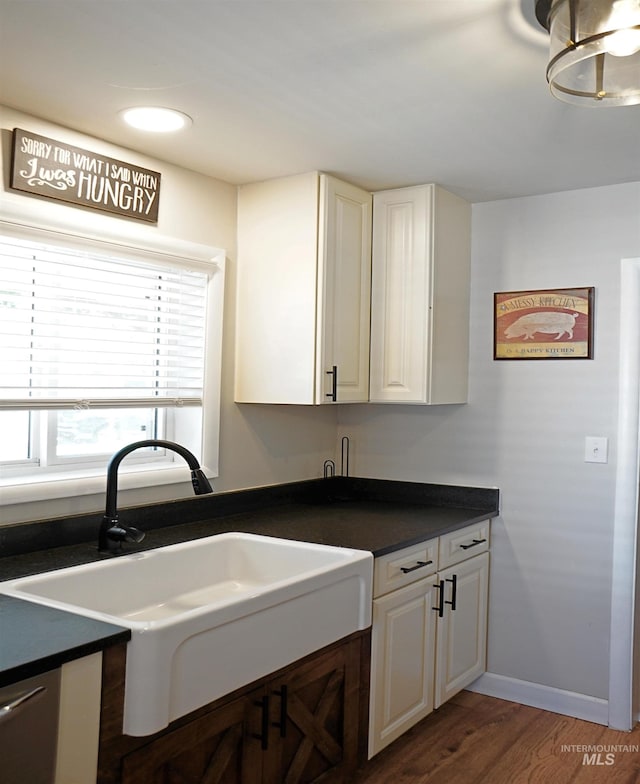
440 607
419 565
454 591
334 383
264 735
474 542
282 724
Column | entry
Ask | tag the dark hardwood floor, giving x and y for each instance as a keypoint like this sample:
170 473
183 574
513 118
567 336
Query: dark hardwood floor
474 739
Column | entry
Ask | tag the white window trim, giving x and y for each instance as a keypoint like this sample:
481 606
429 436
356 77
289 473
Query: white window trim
14 490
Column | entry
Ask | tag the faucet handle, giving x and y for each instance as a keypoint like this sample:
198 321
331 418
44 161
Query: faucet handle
125 533
111 537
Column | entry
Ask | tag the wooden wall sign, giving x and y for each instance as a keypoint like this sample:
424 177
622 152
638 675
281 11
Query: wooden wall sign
59 171
543 324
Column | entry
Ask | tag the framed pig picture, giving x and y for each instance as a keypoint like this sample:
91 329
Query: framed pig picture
543 324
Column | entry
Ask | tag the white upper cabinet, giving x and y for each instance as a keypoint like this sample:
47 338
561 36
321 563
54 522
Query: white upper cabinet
303 291
420 296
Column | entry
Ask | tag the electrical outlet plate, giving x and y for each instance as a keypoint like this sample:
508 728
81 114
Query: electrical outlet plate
595 449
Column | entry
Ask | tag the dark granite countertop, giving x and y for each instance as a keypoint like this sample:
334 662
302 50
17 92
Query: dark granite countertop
35 638
366 514
379 527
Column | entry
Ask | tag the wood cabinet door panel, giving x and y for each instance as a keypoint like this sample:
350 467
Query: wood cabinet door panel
321 714
210 750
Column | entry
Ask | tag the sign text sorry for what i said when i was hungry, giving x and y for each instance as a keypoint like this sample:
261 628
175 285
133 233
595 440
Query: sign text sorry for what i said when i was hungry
50 168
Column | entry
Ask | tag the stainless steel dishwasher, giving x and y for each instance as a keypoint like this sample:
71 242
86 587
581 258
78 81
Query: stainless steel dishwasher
29 729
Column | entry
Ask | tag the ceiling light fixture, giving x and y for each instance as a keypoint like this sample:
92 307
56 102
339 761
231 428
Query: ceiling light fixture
155 119
595 50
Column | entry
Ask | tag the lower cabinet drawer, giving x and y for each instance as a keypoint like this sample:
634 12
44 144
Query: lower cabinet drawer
404 567
464 543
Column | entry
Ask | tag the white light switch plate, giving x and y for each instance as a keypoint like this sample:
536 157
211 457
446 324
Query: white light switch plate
595 449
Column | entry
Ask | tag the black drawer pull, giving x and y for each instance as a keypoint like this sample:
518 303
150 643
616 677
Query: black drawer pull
419 565
454 591
264 736
473 543
440 607
333 395
282 724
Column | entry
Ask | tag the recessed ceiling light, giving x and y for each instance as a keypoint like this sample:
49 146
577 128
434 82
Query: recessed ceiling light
155 119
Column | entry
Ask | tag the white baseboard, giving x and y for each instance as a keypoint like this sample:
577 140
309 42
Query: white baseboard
568 703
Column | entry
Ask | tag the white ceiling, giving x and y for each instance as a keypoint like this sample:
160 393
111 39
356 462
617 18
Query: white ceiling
383 93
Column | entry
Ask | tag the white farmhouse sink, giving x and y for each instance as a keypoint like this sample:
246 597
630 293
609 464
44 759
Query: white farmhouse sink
211 615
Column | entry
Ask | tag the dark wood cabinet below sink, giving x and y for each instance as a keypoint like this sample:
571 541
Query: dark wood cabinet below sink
306 723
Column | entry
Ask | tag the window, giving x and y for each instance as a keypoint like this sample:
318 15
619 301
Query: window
103 345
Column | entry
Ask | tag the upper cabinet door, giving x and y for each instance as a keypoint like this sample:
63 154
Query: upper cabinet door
276 290
420 296
344 286
303 291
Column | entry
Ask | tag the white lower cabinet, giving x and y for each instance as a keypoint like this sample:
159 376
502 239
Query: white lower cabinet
462 631
403 640
429 629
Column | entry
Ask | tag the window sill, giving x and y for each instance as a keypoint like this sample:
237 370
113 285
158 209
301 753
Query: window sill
74 484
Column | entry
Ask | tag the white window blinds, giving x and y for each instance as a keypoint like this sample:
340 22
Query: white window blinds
79 330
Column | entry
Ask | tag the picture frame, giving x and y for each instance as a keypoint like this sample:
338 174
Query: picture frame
544 324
